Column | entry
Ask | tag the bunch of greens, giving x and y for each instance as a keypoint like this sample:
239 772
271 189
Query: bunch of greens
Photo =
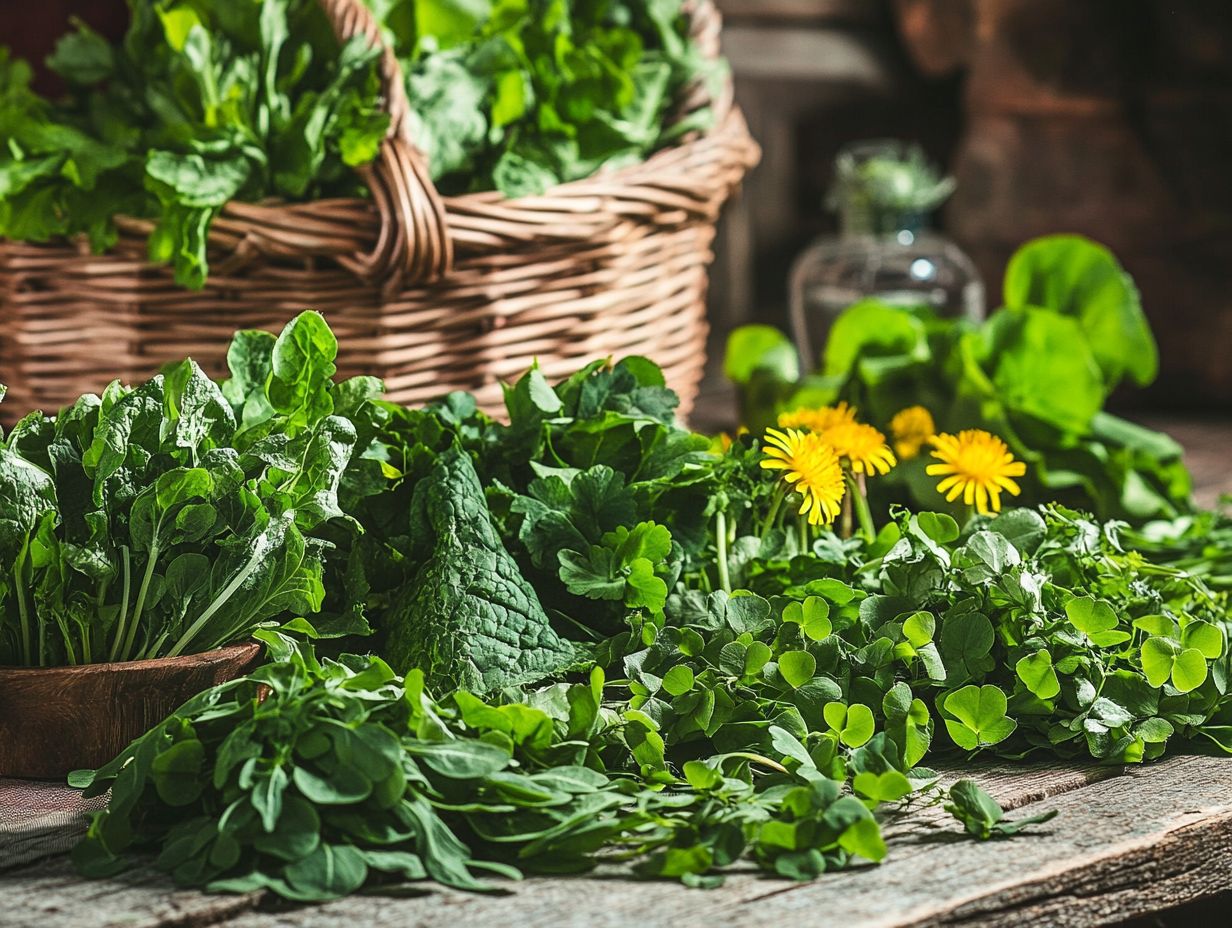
1037 373
344 773
208 101
201 103
159 520
759 688
521 95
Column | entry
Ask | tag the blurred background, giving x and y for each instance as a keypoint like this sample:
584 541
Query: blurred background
1110 118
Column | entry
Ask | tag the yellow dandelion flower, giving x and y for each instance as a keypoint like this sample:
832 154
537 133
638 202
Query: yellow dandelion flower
811 468
912 428
977 466
862 447
817 419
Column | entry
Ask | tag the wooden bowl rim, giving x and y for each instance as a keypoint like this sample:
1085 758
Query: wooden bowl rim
242 652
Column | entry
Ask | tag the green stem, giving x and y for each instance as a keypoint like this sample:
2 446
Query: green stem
803 527
126 566
720 543
779 495
858 493
19 588
846 528
140 606
227 592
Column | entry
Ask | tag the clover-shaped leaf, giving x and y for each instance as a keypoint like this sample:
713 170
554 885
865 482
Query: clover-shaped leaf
1164 659
756 657
797 668
1038 675
1095 619
918 628
816 618
1159 625
1205 637
732 658
889 786
678 680
979 716
853 724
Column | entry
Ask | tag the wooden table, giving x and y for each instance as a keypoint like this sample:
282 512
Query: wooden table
1126 842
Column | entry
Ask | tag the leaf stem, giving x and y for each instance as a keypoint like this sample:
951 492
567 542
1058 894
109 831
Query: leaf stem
126 565
847 505
220 601
858 492
140 606
779 495
23 612
720 544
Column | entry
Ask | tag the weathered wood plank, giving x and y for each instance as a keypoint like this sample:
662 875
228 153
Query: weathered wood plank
1123 845
1127 846
609 899
52 895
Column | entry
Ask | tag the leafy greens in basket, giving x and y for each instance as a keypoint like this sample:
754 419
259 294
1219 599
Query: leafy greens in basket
521 95
210 101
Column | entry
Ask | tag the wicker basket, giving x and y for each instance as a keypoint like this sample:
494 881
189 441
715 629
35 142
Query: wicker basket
430 293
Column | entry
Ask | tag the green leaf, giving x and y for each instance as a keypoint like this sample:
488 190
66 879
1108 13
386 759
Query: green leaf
938 526
918 628
888 786
678 680
1165 660
1037 674
1204 637
854 724
329 872
760 348
1077 277
979 716
1040 363
873 329
177 773
466 616
462 760
982 816
797 667
1095 619
812 615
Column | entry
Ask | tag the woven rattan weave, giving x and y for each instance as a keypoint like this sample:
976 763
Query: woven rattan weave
430 293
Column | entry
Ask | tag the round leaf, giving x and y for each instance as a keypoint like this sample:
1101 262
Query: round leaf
797 667
1037 674
678 680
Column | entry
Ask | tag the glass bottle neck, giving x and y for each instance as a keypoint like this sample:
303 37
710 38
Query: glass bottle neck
881 222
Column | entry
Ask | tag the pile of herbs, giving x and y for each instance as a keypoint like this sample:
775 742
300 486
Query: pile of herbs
1036 373
634 652
208 101
159 520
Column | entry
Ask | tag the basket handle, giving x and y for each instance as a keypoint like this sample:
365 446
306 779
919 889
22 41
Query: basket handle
414 245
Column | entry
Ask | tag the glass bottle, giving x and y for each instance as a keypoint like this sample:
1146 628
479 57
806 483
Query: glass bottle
885 193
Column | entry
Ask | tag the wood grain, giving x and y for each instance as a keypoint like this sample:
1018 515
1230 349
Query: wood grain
57 719
1126 843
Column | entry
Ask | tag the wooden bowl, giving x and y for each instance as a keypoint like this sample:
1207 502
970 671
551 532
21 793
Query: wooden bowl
57 719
